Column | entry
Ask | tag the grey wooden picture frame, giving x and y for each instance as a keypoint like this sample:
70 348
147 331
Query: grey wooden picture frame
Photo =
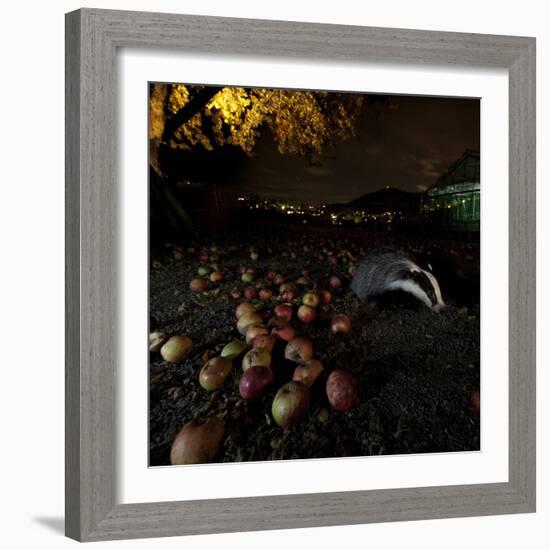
92 40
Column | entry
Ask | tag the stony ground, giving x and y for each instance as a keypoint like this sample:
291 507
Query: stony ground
415 369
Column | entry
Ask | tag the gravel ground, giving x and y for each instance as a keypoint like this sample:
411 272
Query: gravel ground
415 369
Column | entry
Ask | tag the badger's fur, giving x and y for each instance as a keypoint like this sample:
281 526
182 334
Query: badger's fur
385 270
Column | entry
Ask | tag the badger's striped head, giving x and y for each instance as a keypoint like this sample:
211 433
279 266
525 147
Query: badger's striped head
423 285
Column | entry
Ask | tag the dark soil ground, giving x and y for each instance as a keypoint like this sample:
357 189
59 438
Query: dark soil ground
415 369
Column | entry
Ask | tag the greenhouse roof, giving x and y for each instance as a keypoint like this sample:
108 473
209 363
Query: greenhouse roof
462 176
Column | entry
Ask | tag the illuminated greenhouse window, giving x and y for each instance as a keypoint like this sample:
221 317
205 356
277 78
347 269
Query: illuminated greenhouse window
454 200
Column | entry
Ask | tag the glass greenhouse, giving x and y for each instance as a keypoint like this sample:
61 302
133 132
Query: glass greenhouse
453 201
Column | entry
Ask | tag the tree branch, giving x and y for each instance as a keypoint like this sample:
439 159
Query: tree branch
190 109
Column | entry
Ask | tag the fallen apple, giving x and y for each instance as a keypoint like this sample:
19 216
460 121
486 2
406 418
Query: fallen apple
233 349
250 293
246 320
291 404
247 277
198 285
308 373
283 311
276 322
236 293
176 348
325 296
216 276
265 341
299 350
203 270
340 323
341 390
254 381
265 294
307 314
214 373
286 287
310 299
283 332
288 295
244 307
156 340
198 442
255 330
256 357
335 282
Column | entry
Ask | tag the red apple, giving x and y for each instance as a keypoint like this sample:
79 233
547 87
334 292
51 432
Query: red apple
265 294
177 348
198 285
302 280
341 390
244 307
340 323
284 311
308 373
299 350
335 282
291 404
198 442
214 373
250 293
310 299
307 314
216 276
266 315
254 381
278 279
325 296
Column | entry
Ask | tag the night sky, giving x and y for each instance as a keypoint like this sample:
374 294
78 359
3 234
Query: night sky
406 148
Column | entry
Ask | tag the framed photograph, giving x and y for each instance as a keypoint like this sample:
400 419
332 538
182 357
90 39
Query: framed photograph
327 235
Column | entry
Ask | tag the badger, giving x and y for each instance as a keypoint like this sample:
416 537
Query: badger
384 270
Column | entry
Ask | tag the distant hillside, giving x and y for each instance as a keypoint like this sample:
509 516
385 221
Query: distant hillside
386 199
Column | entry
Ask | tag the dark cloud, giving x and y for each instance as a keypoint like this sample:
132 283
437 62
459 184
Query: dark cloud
407 148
